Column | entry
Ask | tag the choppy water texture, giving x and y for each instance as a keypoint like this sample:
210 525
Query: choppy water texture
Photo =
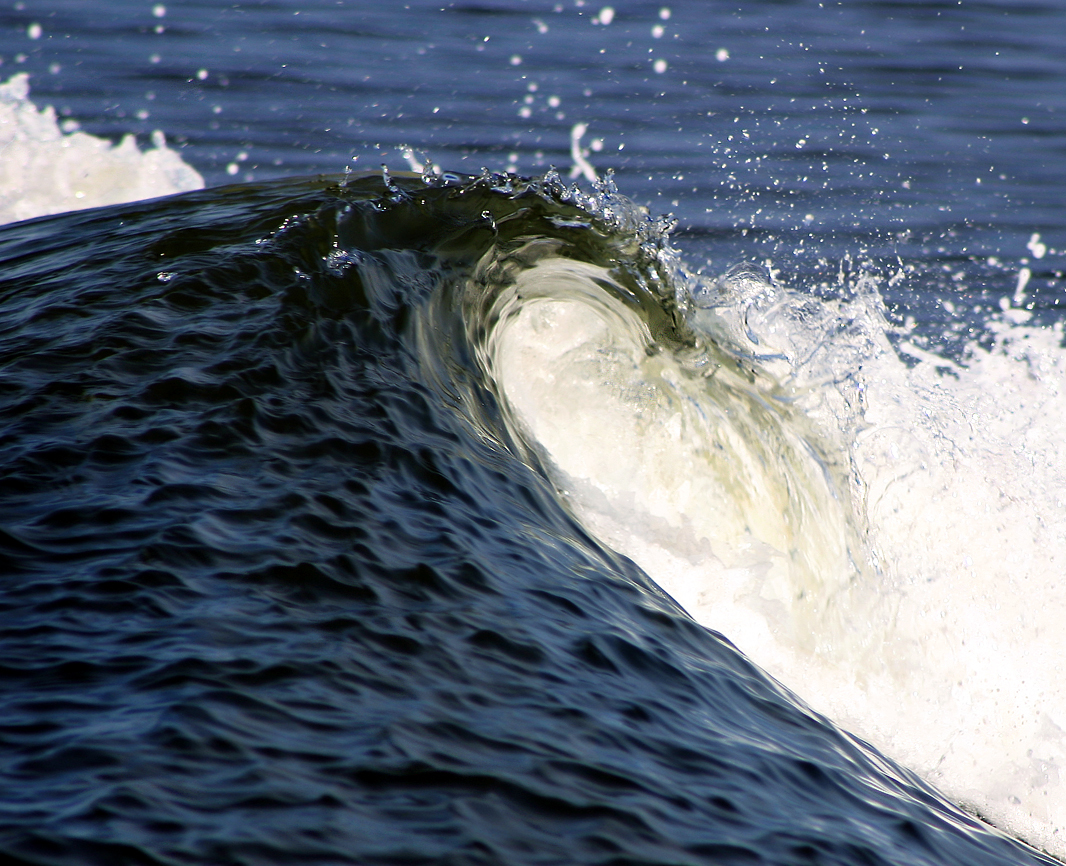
316 497
281 584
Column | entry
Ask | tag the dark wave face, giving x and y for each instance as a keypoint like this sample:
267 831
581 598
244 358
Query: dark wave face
281 584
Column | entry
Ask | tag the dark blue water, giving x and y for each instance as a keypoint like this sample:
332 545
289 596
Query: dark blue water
281 587
278 582
910 116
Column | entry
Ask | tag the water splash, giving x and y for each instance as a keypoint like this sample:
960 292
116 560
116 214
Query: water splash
46 170
880 526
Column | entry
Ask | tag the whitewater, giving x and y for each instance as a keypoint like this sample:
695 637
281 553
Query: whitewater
877 521
47 167
879 527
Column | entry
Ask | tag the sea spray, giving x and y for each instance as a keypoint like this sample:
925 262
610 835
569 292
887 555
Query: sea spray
269 531
880 527
959 487
684 446
46 168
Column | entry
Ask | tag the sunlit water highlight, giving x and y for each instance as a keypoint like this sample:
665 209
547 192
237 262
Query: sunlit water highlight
881 528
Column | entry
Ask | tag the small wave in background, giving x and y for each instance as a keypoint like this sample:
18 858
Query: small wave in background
48 167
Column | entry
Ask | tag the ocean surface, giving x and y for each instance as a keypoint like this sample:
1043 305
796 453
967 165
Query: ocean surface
520 432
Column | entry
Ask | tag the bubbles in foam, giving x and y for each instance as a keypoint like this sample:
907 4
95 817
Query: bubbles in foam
881 528
692 462
45 170
962 488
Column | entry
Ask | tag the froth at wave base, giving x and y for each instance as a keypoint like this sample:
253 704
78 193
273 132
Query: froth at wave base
883 530
45 170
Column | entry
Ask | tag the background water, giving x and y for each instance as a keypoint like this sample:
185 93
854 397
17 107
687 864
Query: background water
941 121
923 141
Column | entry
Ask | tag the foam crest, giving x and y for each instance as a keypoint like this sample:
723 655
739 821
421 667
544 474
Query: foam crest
44 170
693 466
964 492
881 528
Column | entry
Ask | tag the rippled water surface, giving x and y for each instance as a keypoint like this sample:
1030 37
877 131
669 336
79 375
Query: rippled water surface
278 585
382 517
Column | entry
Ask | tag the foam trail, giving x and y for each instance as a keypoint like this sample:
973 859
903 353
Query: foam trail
882 530
44 170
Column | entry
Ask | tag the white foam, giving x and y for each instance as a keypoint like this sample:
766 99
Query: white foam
886 537
44 170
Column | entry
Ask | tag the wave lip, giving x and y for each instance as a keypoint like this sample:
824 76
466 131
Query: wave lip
847 508
282 563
